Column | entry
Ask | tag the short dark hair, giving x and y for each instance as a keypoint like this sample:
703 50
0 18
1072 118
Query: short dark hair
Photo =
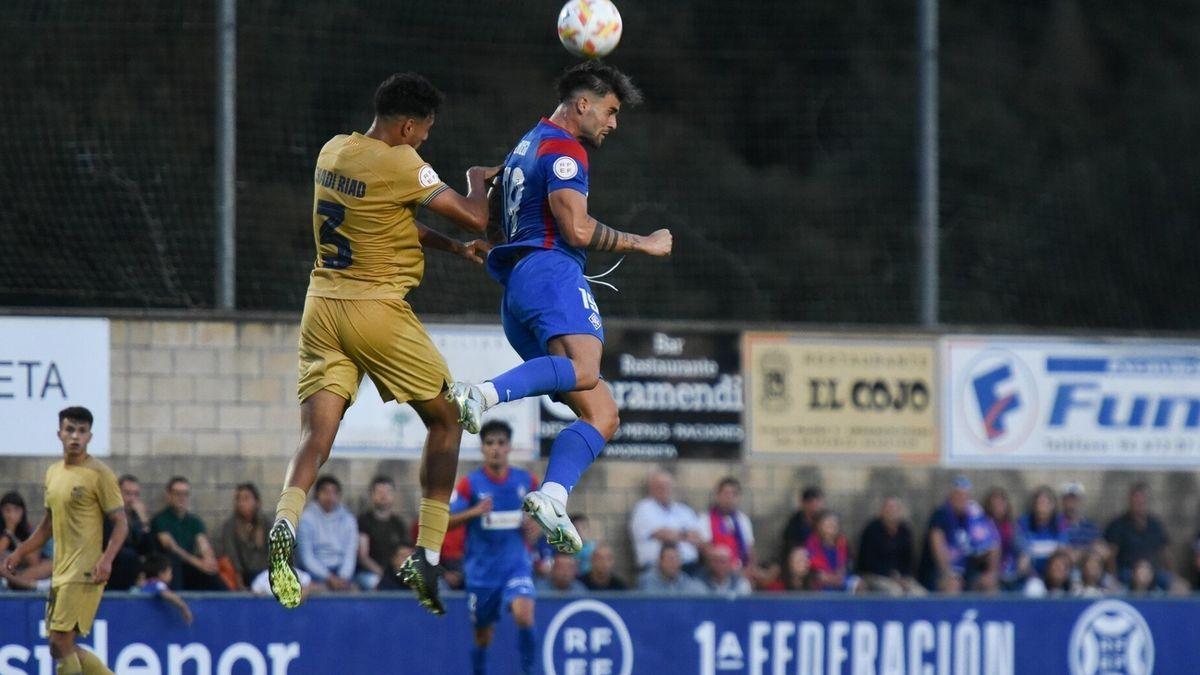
248 487
127 478
494 426
407 95
811 492
729 481
177 479
156 564
1140 486
75 413
382 480
599 78
327 480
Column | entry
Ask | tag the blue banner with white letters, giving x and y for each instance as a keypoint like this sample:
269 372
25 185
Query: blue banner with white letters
624 635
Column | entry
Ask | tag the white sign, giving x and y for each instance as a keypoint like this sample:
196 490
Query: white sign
474 354
47 364
1021 401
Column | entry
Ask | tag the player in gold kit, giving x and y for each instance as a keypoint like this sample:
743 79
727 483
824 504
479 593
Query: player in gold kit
80 493
368 188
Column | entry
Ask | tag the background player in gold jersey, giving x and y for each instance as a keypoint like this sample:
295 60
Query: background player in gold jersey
80 493
368 188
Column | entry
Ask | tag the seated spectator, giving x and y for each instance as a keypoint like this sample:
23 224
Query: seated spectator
328 538
380 531
390 580
1041 530
668 576
584 528
1143 578
158 584
183 537
1094 579
885 552
725 525
1014 564
659 519
802 522
16 526
829 556
139 543
1081 532
1137 535
600 577
962 547
794 574
719 576
244 535
563 577
1055 580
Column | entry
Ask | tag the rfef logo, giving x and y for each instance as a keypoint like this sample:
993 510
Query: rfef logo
999 400
587 637
1111 638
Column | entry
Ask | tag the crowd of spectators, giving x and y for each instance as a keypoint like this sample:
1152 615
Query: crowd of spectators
1049 549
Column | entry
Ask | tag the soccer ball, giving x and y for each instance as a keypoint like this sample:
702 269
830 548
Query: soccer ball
589 28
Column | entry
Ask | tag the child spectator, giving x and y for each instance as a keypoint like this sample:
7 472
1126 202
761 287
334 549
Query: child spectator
829 555
159 571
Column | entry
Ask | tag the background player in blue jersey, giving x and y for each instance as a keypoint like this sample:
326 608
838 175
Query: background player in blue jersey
498 566
549 314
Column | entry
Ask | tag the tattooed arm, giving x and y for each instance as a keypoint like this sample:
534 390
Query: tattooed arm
569 208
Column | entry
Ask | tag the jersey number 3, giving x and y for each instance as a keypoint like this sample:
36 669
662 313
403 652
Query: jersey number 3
334 214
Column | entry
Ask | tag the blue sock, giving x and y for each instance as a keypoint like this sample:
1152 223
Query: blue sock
527 644
479 660
573 452
543 375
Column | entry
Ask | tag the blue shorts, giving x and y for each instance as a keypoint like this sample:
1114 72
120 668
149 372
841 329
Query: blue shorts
484 602
546 296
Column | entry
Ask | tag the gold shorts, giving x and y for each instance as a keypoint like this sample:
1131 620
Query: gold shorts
73 606
340 340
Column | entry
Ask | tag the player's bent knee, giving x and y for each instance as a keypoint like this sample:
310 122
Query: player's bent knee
586 379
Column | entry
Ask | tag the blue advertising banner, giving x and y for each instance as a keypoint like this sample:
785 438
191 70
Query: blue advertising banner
624 635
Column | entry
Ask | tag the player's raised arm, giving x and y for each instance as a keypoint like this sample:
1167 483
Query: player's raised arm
569 208
470 212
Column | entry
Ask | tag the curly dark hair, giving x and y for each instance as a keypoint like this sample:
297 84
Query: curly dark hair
600 79
407 95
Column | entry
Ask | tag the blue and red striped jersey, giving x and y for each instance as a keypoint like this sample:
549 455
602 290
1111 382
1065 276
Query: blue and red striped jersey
548 158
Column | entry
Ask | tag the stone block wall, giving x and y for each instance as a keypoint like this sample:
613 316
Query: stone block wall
215 401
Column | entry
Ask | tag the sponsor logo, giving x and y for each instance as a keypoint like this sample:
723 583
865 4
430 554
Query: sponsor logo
595 321
999 400
587 636
1111 638
428 177
774 367
565 168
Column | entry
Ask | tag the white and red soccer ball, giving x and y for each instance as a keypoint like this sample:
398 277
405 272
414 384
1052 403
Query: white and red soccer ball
589 28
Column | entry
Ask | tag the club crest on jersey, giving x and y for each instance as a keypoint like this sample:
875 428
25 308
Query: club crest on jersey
565 167
595 319
427 176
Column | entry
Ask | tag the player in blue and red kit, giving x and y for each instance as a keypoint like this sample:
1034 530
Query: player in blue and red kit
498 566
549 314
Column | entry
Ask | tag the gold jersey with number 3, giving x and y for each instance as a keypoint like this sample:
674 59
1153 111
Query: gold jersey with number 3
364 218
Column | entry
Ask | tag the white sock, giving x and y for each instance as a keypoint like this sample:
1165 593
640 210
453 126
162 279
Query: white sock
432 557
491 397
555 491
